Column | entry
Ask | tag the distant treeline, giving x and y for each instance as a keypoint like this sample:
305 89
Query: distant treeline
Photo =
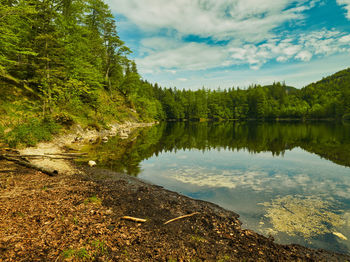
328 98
63 59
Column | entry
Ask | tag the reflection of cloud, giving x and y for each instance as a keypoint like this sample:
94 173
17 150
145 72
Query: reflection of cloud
255 180
307 217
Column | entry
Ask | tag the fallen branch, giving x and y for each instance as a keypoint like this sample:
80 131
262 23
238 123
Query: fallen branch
135 219
40 156
29 165
67 154
181 217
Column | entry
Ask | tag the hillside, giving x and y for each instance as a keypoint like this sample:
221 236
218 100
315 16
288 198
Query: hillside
63 62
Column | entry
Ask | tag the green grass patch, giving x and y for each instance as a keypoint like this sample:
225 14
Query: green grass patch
199 239
31 132
81 254
94 200
2 132
99 247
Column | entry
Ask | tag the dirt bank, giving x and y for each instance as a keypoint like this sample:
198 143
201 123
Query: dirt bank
76 138
77 216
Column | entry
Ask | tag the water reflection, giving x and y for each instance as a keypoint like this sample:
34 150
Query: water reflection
299 171
328 140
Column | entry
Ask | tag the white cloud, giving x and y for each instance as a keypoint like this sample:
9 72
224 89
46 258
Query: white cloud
185 56
295 74
163 53
346 5
304 56
249 28
220 19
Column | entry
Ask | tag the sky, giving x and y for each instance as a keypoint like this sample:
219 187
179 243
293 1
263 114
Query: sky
235 43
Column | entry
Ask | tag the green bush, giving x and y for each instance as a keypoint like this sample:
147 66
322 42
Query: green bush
2 132
64 119
346 117
32 132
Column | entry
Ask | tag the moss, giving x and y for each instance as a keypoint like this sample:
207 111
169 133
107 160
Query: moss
307 217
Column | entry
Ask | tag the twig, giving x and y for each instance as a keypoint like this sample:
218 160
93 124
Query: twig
181 217
140 220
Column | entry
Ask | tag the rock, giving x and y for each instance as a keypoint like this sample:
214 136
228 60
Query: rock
105 139
92 163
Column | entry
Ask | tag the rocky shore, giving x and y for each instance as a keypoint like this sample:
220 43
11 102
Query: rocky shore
79 215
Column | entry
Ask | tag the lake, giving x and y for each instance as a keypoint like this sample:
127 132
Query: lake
286 180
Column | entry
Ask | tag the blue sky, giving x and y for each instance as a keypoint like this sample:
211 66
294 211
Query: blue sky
225 43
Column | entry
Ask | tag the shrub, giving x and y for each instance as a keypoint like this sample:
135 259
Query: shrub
346 117
2 132
64 118
32 132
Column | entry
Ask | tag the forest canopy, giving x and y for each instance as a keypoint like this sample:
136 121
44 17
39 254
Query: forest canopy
64 60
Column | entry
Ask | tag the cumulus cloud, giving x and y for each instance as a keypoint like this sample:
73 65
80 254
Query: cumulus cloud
346 5
241 32
170 54
220 19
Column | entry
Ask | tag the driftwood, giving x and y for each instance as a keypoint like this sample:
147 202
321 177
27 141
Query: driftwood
29 165
67 154
135 219
40 156
181 217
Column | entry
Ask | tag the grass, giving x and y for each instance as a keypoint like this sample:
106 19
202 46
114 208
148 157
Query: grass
31 132
100 247
196 238
81 254
225 258
94 200
91 252
2 132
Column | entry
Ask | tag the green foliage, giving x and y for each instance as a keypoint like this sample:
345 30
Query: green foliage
100 247
64 57
346 117
81 254
93 199
2 132
328 98
32 132
65 60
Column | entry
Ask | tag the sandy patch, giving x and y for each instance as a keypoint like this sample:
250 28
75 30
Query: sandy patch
76 137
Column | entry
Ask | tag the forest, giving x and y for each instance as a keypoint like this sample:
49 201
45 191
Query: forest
62 62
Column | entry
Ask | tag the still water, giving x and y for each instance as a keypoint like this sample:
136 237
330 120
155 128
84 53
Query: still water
288 180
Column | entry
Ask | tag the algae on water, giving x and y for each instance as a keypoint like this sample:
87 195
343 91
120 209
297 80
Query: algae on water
304 216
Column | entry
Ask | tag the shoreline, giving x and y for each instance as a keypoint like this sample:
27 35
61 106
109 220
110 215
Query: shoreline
214 234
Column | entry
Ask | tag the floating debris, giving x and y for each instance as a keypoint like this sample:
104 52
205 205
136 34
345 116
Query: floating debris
340 235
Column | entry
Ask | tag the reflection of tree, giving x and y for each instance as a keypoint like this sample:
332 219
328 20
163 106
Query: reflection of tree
331 141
